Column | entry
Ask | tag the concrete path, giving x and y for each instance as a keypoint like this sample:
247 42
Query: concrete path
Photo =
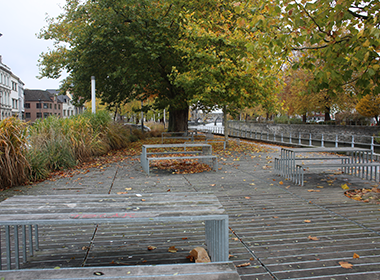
278 230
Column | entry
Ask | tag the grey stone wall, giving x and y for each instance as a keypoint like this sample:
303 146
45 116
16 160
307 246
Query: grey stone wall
361 133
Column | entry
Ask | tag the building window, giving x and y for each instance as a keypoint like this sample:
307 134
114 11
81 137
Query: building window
39 115
55 106
46 106
27 115
38 105
50 106
46 115
27 105
14 103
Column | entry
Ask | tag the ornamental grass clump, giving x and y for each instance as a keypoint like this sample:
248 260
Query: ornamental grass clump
58 143
14 167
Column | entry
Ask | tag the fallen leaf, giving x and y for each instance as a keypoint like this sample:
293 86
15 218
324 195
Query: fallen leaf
307 221
345 187
320 187
356 256
151 248
128 189
172 249
247 197
243 264
313 190
281 182
345 265
184 238
143 199
313 238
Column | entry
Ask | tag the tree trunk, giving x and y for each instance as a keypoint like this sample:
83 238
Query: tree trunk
327 114
304 118
178 120
226 130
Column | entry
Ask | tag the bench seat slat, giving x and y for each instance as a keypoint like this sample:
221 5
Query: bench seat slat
208 271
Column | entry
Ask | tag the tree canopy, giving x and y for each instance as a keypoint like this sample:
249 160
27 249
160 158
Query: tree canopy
178 52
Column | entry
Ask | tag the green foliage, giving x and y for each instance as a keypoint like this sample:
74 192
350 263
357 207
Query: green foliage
338 40
14 167
281 119
174 52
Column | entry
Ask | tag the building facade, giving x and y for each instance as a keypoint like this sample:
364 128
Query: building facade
5 91
68 108
17 97
41 104
11 93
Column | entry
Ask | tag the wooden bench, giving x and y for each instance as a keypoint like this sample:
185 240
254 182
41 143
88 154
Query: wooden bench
76 210
281 164
208 271
176 152
286 165
363 170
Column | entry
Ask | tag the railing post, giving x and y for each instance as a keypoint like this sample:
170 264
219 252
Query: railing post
322 144
372 144
261 135
310 141
250 132
267 135
290 138
274 136
299 138
282 137
352 141
255 134
336 140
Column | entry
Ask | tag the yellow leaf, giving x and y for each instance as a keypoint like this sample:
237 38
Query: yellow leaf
313 238
345 187
345 264
320 187
243 264
281 182
172 249
356 256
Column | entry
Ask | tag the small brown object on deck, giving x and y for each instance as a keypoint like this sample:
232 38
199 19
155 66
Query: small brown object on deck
199 255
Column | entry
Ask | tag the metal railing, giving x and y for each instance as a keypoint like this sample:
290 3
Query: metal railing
301 139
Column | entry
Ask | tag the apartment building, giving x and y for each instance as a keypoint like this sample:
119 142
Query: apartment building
41 104
11 93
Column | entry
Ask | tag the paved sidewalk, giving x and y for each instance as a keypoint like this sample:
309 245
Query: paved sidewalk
278 230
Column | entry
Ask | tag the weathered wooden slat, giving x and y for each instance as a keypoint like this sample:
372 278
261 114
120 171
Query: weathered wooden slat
209 271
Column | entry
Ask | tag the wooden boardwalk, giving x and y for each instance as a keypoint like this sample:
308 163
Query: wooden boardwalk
278 230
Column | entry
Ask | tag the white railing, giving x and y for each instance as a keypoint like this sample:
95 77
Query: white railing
302 139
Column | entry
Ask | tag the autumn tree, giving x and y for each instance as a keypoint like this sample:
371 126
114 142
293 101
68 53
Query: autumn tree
339 41
369 106
174 51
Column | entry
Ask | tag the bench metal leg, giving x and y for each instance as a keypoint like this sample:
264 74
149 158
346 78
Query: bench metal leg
217 239
8 246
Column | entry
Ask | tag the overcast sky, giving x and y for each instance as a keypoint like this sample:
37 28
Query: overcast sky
20 21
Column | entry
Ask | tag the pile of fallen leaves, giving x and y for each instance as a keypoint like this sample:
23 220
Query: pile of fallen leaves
365 195
188 166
